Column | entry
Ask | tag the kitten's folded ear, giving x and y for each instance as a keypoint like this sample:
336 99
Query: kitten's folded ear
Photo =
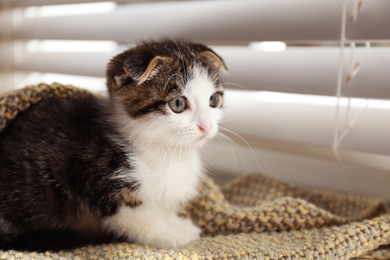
140 71
132 67
213 60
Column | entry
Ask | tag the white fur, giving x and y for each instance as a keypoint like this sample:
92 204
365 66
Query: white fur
167 167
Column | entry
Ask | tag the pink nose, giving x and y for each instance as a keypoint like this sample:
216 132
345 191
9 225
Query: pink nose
204 128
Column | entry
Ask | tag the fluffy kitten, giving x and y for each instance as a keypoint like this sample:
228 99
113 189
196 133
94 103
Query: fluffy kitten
85 167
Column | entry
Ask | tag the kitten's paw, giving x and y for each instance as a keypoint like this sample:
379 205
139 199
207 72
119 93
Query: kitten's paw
181 233
191 231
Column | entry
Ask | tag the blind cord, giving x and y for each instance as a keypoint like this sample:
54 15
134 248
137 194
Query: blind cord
339 80
354 69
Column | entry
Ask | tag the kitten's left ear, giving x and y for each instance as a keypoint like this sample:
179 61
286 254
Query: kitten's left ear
213 60
133 67
138 72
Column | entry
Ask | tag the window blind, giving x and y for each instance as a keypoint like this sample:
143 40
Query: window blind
316 98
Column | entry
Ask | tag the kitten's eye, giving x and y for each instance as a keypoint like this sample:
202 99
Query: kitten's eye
215 100
178 104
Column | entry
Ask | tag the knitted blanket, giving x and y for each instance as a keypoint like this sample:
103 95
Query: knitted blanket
254 217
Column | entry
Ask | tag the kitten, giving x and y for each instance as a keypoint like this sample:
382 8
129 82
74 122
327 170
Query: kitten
87 168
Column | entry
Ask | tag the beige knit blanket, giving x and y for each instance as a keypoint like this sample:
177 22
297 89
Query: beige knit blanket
255 217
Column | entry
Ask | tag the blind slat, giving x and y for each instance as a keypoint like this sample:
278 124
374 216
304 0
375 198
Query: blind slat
217 21
358 173
26 3
311 123
295 70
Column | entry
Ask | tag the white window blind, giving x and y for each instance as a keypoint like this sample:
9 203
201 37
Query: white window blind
308 82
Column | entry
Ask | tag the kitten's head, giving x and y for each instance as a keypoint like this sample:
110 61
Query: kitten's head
170 91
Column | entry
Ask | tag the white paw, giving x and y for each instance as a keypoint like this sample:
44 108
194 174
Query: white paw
180 233
153 227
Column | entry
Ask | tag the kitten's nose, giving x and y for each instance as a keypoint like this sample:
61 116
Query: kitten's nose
204 123
204 128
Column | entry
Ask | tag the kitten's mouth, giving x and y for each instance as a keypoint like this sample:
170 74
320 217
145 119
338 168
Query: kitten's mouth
202 138
199 139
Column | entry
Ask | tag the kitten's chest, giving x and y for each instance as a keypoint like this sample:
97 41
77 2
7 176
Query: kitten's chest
167 178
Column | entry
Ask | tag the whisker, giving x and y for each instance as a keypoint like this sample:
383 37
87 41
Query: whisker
244 73
247 144
172 156
224 140
234 84
181 59
203 188
241 119
183 143
170 144
207 171
236 147
166 82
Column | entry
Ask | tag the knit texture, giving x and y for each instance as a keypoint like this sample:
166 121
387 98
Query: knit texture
254 217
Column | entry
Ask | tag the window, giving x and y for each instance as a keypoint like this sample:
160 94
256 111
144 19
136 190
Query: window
316 105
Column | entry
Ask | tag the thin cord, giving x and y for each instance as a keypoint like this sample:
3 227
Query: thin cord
349 80
350 122
354 65
340 78
353 122
356 9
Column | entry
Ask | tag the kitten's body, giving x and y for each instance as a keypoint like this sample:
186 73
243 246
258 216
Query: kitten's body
120 166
